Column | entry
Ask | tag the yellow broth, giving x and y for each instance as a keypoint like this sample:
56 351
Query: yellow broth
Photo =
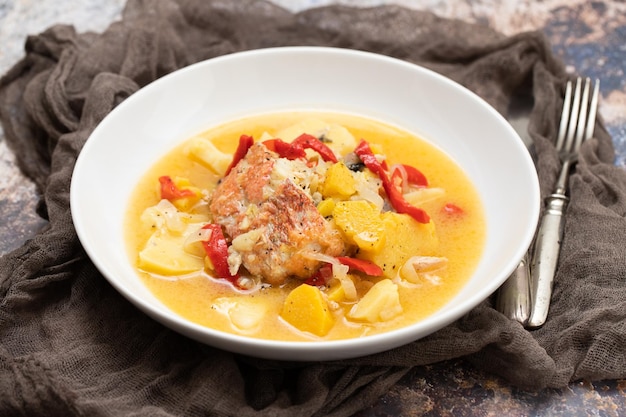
461 238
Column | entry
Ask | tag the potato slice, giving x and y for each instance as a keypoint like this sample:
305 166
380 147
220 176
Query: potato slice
361 222
339 182
339 139
326 207
164 254
205 152
306 309
380 303
404 238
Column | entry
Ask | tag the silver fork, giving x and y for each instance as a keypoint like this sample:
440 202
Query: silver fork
577 124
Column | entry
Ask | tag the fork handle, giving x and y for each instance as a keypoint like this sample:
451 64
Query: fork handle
545 258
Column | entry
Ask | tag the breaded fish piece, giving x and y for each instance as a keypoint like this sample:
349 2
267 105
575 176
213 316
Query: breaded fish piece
270 220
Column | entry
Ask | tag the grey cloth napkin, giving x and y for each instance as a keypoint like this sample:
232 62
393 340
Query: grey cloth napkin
71 345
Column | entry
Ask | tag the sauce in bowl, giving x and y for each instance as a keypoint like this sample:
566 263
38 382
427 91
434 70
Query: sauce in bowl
423 265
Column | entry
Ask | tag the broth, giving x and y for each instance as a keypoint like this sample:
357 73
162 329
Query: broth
216 304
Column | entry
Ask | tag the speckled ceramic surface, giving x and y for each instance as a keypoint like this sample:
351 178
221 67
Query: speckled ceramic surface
589 36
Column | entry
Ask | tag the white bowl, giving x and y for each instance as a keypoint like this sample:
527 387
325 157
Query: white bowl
152 121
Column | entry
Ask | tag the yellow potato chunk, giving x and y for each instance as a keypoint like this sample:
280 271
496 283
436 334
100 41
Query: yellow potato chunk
340 139
306 309
205 152
186 203
339 182
164 254
326 207
380 303
361 223
404 238
336 292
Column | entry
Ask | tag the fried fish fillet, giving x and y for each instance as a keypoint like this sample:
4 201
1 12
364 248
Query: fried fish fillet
266 210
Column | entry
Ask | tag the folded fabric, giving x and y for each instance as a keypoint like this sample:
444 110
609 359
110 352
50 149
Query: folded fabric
71 345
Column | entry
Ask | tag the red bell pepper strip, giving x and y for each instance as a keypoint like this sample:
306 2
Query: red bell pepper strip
295 149
284 149
325 273
306 141
365 154
452 208
413 176
321 277
361 265
396 198
216 249
245 142
169 191
270 144
401 205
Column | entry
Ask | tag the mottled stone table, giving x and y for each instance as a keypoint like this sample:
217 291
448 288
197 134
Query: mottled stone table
589 36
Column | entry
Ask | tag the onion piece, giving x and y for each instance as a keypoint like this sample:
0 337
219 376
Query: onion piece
318 256
244 314
340 272
368 191
200 235
419 268
408 272
170 213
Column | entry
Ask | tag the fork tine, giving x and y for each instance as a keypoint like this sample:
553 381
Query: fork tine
564 118
593 108
581 128
573 118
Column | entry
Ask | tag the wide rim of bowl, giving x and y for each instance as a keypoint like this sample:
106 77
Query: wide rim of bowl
298 350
